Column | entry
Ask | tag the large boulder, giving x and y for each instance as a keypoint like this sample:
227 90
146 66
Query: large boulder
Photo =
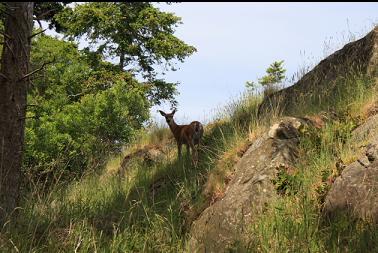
250 190
360 57
355 191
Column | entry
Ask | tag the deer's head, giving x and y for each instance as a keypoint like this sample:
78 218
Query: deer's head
168 116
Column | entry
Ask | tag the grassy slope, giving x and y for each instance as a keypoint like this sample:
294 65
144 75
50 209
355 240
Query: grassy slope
293 223
151 208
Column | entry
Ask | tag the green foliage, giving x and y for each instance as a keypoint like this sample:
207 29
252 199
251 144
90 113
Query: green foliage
275 74
78 113
137 32
160 90
47 10
243 111
286 183
251 86
82 108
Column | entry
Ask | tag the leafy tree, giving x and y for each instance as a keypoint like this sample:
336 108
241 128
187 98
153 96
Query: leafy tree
80 110
138 33
46 11
80 107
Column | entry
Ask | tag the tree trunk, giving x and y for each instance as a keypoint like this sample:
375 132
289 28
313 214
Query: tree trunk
121 60
13 86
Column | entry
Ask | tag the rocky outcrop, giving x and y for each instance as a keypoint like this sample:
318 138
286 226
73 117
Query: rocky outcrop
360 57
149 154
250 190
355 192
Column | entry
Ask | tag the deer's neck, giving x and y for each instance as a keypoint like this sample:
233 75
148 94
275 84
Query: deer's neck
173 126
175 129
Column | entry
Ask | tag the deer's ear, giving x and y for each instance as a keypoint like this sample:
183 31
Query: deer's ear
162 113
174 111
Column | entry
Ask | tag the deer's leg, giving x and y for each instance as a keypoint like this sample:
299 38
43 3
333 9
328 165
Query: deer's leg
179 150
188 149
194 153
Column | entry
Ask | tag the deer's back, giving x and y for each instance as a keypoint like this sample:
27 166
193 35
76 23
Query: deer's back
192 131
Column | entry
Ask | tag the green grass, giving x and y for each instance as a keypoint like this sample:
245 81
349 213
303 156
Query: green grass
148 210
151 208
293 223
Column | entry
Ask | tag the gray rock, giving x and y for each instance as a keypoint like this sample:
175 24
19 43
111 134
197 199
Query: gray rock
355 191
249 191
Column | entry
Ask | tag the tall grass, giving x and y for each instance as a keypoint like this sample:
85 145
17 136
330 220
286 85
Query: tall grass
150 209
294 223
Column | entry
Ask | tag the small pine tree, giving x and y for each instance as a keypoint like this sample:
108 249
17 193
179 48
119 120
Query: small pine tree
251 86
275 75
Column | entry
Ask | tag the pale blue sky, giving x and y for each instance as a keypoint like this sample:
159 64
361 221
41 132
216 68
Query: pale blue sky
237 41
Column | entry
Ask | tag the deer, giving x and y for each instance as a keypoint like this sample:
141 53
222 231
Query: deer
190 135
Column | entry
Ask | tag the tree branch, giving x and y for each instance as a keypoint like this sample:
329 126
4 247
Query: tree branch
4 76
35 34
75 95
36 77
39 23
40 16
35 71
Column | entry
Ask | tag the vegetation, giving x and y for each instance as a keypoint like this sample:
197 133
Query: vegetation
78 112
85 117
82 109
135 32
294 222
152 206
77 108
275 74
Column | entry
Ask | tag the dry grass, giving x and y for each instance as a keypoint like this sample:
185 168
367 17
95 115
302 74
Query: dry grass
223 171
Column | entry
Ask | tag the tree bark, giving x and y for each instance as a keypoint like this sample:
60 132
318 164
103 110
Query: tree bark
13 87
121 60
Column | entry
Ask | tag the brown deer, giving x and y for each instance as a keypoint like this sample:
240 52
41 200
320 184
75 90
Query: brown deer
190 135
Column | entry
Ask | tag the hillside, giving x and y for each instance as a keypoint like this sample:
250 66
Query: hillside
292 172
